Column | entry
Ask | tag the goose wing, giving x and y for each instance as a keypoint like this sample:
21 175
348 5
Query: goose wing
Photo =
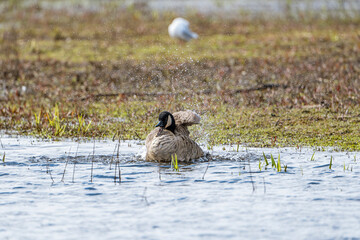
186 118
187 149
150 138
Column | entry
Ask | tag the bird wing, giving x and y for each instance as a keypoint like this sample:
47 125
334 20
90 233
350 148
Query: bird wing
187 149
186 118
187 34
150 138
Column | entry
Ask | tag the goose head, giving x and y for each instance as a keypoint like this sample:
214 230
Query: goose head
166 121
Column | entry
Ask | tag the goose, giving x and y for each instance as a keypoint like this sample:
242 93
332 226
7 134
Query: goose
179 28
171 136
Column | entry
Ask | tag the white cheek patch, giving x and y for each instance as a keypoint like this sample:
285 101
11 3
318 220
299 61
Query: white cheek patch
169 122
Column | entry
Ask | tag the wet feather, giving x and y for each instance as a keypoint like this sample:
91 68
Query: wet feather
160 147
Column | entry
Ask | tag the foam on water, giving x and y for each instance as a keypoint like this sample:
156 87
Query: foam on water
209 200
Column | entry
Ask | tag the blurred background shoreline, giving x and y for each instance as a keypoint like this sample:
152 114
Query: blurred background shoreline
226 8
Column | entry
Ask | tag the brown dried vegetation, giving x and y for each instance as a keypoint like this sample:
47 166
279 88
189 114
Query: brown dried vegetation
259 82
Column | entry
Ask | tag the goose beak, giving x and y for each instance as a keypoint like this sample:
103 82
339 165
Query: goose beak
158 125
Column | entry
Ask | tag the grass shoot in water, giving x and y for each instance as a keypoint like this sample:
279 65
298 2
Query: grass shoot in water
266 161
260 164
331 160
174 162
273 164
312 157
278 166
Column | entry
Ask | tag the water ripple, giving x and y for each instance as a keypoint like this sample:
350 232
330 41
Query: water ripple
93 194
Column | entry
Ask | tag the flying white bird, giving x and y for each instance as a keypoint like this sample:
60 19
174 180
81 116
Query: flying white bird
179 28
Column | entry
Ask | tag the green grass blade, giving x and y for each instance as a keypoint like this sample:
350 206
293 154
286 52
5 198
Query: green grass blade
330 165
273 164
266 161
278 164
312 157
176 163
260 164
88 126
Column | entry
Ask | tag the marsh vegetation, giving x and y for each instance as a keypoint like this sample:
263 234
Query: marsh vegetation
80 90
284 81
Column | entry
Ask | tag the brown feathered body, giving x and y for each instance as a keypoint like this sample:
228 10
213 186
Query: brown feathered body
160 148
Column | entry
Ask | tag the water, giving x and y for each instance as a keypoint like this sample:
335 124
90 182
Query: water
204 200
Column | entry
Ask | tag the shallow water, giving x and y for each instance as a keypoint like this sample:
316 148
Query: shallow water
227 197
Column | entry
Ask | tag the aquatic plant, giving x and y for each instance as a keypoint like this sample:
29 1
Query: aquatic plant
56 122
117 169
48 171
251 177
266 161
37 120
83 127
174 162
66 163
207 167
92 163
331 161
260 165
278 166
273 164
312 157
73 174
